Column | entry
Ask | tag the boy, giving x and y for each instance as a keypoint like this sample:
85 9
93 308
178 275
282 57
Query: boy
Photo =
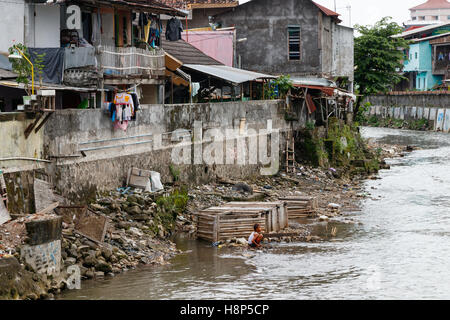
256 237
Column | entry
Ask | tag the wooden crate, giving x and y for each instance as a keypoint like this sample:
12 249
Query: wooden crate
215 225
277 219
236 220
300 207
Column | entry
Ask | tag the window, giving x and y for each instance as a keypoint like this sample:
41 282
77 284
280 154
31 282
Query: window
416 55
448 17
435 17
414 18
294 42
422 18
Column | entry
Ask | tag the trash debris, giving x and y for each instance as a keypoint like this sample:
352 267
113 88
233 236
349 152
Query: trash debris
334 206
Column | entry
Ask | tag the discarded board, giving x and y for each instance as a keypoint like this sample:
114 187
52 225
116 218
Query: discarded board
44 195
237 219
86 222
300 207
49 208
4 214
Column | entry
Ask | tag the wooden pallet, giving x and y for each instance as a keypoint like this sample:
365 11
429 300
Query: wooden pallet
300 207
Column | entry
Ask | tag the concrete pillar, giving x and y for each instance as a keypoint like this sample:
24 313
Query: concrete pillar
43 251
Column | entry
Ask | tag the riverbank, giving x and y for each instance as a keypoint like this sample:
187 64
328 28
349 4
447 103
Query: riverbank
142 223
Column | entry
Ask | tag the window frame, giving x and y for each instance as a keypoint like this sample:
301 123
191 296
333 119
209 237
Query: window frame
289 55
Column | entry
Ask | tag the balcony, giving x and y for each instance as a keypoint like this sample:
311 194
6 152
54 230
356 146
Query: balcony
113 65
117 64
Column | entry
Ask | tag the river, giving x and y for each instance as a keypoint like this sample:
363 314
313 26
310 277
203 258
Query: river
401 249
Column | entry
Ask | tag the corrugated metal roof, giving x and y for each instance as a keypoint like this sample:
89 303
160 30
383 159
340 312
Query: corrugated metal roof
420 30
6 74
230 74
313 82
186 52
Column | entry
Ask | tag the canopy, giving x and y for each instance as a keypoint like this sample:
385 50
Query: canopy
234 75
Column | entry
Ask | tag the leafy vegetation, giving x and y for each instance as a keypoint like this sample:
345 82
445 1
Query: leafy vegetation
39 65
378 57
21 66
279 87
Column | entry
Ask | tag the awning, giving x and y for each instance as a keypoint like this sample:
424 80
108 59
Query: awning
329 91
233 75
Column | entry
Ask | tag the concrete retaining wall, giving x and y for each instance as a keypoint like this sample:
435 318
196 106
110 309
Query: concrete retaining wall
147 144
432 106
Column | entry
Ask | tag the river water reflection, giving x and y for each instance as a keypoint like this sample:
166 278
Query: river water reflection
400 251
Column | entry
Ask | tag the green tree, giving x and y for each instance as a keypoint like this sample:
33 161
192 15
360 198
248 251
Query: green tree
378 57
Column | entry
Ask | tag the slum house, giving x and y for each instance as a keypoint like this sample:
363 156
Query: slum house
299 38
200 12
92 48
209 79
426 61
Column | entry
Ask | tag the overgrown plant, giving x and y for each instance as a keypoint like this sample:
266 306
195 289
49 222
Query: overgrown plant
20 66
39 65
175 173
279 87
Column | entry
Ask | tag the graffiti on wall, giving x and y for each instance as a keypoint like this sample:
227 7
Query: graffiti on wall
44 258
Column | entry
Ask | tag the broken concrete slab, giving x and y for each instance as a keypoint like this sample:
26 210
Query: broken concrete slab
43 258
43 231
44 195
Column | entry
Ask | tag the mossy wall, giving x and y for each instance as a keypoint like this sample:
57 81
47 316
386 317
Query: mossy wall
340 147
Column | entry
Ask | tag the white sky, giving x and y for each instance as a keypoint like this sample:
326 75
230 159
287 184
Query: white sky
370 11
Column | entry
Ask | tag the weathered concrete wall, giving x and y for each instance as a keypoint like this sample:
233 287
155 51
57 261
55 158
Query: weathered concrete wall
326 48
110 153
12 21
13 142
264 23
433 107
147 144
432 99
343 52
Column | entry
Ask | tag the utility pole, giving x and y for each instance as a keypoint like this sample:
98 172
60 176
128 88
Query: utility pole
335 7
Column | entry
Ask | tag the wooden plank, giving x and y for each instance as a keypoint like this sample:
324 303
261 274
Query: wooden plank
49 208
43 122
32 125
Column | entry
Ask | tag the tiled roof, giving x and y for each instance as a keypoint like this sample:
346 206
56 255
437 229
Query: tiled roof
327 11
186 4
187 53
433 4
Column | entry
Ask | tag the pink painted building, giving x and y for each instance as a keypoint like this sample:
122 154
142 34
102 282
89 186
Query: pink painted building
216 44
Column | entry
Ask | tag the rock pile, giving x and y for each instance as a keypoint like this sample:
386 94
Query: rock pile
137 233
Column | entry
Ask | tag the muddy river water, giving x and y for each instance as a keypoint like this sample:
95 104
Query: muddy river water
400 251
